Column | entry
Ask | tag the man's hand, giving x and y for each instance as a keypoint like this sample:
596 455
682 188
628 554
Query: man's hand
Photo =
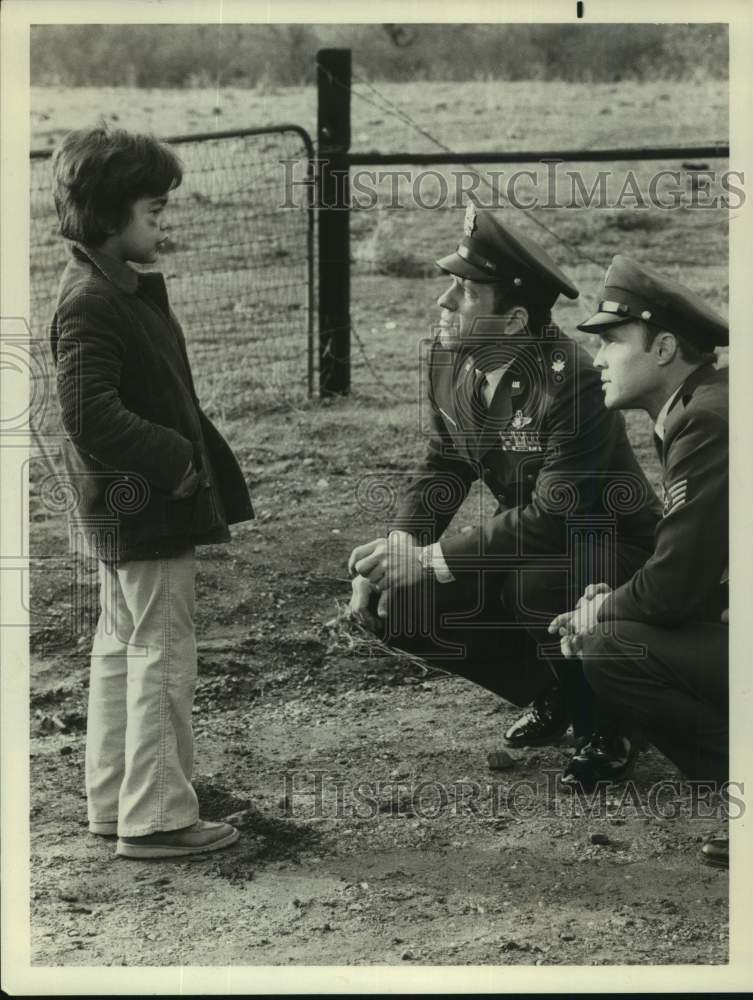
188 484
571 627
593 590
362 551
574 626
390 562
361 603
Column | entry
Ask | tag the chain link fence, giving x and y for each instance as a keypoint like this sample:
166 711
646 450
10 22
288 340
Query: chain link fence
239 269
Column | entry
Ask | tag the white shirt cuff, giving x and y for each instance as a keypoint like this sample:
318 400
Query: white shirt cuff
438 563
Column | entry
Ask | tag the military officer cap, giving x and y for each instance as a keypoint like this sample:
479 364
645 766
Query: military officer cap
632 292
491 251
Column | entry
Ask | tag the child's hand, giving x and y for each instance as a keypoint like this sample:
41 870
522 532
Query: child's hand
188 484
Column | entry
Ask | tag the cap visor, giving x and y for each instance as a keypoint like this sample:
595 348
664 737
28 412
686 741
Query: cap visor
453 263
601 319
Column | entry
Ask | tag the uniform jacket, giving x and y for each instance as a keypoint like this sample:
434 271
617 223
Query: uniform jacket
132 417
686 576
546 447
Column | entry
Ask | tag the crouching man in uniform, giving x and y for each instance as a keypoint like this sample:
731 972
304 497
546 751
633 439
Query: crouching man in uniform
655 650
515 403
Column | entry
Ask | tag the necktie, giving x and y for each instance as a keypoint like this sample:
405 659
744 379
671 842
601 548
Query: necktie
479 394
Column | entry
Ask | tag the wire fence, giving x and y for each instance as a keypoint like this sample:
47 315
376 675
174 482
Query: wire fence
238 267
413 219
429 189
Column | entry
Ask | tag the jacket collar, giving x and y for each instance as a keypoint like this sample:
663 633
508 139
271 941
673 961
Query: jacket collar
120 274
691 383
684 392
662 415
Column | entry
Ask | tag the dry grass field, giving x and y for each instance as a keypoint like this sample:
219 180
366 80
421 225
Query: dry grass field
279 699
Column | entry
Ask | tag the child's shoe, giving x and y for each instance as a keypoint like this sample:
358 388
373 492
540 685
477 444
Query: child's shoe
199 838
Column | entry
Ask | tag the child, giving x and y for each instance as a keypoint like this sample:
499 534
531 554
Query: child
153 479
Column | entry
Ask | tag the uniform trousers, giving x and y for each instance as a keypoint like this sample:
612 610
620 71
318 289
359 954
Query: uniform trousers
139 739
672 684
491 627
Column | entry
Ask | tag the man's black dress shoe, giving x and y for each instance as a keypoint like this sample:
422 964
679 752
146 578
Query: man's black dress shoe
716 852
544 722
601 758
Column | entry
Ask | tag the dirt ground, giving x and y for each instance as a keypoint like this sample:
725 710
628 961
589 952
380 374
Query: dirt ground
290 719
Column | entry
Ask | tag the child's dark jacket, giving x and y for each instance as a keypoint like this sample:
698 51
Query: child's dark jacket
132 417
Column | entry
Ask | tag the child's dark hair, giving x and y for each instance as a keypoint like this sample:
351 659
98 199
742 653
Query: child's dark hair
98 173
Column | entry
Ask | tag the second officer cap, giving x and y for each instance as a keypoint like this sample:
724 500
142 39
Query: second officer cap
633 291
493 251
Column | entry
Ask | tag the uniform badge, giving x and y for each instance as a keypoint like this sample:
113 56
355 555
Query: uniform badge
519 421
469 224
675 495
521 441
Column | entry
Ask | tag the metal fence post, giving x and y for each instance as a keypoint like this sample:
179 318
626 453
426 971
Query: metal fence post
333 132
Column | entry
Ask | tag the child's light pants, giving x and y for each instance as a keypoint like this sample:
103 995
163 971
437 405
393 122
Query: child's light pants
139 741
